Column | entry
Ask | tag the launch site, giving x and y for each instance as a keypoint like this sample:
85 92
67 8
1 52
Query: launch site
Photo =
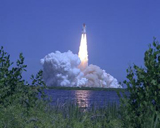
79 64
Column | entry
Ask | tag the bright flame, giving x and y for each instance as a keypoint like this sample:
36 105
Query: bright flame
83 53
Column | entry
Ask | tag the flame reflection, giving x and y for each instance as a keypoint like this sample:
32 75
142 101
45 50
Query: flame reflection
83 98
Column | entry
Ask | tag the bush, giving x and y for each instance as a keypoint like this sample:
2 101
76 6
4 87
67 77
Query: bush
142 108
14 89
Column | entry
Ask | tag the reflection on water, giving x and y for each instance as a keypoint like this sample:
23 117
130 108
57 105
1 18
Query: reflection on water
82 98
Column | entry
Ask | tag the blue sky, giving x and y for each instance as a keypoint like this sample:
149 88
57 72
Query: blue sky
118 31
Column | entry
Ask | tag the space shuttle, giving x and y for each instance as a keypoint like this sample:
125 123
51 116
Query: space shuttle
84 29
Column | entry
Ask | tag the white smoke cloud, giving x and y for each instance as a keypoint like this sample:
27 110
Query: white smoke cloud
61 69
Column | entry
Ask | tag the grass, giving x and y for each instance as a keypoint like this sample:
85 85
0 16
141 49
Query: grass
68 115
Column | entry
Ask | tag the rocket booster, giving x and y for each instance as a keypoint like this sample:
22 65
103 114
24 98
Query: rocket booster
84 29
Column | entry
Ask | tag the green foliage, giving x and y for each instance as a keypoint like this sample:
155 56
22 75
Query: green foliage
142 108
14 116
60 116
14 89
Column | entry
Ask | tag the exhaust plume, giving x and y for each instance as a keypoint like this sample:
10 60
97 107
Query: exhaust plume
83 53
72 70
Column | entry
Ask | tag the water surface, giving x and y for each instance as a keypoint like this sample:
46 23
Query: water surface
84 98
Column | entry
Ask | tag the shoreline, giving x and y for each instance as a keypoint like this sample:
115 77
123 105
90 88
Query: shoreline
87 88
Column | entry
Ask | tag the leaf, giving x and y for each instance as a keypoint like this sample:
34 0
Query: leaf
154 82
